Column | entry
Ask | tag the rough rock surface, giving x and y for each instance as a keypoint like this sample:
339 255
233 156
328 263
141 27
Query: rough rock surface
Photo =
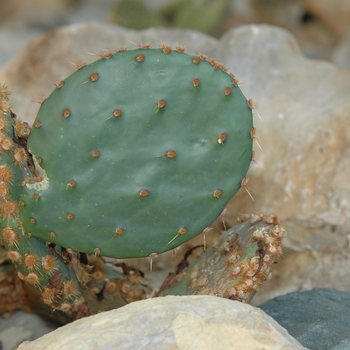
22 326
192 322
319 319
334 14
341 53
303 173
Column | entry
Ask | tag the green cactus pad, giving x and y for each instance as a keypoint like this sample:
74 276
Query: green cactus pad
142 150
33 258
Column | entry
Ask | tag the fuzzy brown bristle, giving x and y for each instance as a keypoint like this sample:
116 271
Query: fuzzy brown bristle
33 279
70 289
9 236
49 264
31 261
14 256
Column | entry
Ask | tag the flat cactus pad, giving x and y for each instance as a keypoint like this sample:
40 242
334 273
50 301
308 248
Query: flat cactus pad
141 151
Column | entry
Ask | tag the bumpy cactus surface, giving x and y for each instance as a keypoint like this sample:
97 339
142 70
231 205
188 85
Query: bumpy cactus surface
38 263
130 156
233 267
236 265
141 150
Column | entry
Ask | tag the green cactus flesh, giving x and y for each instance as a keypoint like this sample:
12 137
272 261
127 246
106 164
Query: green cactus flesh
236 265
141 151
33 258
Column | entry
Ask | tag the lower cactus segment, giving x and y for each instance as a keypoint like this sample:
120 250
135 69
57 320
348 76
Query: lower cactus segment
38 263
235 266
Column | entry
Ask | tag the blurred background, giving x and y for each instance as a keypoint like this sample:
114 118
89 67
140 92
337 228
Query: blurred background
322 27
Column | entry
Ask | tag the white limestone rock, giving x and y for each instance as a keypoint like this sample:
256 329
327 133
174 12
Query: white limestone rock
187 322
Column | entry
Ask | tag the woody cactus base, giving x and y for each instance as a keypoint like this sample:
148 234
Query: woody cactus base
234 268
130 156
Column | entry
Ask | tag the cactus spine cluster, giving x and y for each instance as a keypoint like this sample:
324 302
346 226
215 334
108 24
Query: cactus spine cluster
130 156
236 265
38 263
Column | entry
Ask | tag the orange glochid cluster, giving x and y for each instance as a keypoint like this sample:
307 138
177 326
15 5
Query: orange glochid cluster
6 174
4 191
30 261
244 184
196 60
69 289
20 156
117 113
216 64
59 84
145 46
196 82
121 48
97 251
9 236
250 103
182 231
144 193
6 144
171 154
254 138
166 48
119 231
217 193
71 183
235 82
180 48
79 65
106 54
14 256
161 104
222 138
66 113
48 295
140 58
94 77
32 278
96 153
3 124
9 209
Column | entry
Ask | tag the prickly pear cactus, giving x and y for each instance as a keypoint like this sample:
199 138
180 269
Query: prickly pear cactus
38 264
141 151
130 156
236 265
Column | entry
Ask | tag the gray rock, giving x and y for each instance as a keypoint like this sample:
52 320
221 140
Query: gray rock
341 54
189 322
303 175
22 326
319 319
